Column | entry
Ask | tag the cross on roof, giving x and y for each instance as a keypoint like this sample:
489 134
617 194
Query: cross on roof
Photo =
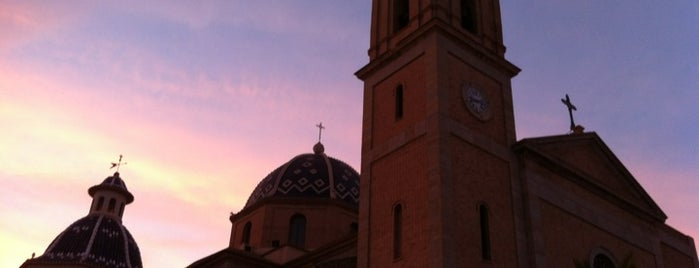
571 108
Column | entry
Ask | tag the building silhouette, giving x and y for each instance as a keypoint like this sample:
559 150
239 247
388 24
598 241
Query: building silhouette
444 181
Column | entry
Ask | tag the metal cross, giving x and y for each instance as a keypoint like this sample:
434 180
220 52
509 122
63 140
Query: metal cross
320 130
571 108
118 165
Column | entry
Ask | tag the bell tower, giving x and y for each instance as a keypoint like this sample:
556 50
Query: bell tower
438 186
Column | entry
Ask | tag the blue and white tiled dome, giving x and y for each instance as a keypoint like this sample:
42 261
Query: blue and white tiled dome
98 239
310 176
95 240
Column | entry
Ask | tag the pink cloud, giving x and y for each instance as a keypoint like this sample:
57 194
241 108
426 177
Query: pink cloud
22 21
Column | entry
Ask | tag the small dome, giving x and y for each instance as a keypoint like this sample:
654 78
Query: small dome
310 176
114 183
97 240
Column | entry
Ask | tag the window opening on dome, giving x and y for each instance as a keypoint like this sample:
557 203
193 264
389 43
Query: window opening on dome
602 261
100 202
397 230
246 233
399 102
112 204
297 230
401 14
121 210
485 232
469 20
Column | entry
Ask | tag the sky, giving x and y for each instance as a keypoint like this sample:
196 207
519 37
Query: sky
205 98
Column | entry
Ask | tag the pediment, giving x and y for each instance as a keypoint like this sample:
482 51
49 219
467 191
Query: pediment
585 157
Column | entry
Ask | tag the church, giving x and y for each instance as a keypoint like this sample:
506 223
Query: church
444 181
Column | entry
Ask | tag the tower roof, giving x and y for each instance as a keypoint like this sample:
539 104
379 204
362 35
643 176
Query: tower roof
309 175
112 183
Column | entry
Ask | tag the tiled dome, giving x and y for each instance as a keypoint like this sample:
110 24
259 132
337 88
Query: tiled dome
97 240
310 176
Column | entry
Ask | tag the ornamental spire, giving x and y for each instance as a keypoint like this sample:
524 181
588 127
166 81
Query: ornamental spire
320 130
319 148
118 164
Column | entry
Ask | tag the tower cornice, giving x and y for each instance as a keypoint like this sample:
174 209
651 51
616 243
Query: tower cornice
438 26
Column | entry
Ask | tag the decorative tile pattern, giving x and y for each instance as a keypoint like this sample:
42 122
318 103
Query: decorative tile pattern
95 240
308 175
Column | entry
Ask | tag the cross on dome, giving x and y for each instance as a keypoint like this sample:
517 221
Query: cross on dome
320 130
319 148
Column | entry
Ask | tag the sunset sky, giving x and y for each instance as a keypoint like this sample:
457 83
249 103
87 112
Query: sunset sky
205 98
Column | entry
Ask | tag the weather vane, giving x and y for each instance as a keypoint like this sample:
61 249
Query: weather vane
571 108
320 130
118 165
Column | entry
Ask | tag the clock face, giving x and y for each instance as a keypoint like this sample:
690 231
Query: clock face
476 101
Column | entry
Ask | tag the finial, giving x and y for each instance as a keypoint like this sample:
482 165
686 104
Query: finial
319 148
320 130
571 108
118 164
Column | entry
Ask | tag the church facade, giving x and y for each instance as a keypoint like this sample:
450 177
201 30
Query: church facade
444 181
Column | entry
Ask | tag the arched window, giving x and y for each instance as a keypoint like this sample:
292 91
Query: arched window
469 19
401 14
485 232
100 202
601 260
397 230
246 233
399 102
112 204
297 230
